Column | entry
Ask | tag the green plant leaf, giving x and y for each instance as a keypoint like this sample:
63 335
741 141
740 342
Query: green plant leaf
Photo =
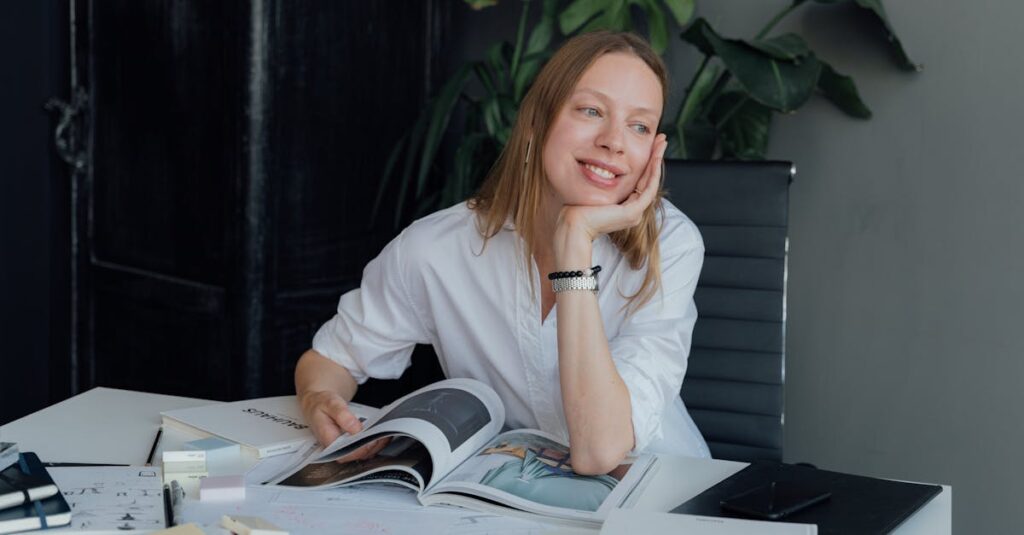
878 10
527 72
579 12
694 34
697 95
498 61
464 174
656 25
781 85
480 4
789 47
540 37
405 182
743 126
682 10
441 112
903 60
694 141
841 91
385 178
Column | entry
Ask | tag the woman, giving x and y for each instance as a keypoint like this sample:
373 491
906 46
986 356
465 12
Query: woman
577 186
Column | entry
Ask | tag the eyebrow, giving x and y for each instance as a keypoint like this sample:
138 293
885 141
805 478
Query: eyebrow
603 96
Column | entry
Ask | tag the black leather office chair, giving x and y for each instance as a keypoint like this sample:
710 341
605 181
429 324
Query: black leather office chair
734 382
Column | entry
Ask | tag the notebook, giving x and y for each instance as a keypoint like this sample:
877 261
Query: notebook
17 487
859 505
43 513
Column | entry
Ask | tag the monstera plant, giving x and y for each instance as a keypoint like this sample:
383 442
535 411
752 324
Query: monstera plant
725 112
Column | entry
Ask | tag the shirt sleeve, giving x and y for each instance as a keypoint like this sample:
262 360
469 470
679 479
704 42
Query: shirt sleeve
377 326
650 352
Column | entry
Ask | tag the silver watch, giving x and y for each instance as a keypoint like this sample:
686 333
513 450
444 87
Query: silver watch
575 283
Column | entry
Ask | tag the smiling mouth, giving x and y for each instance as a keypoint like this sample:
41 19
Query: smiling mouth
600 171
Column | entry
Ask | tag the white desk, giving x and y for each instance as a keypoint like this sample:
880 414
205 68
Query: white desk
107 425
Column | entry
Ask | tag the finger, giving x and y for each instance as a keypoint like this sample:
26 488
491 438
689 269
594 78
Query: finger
653 185
342 415
657 149
325 429
362 453
380 445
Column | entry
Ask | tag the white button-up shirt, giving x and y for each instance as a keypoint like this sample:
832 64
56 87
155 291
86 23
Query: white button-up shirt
438 283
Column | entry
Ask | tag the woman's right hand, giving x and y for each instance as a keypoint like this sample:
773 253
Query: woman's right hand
329 415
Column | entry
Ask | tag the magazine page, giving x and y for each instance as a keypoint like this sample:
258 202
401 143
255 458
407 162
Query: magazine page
531 470
404 461
451 419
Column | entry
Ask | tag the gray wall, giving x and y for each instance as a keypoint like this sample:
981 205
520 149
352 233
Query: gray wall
905 337
905 276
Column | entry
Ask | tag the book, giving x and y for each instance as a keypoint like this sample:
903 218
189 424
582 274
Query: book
18 486
859 505
41 513
268 426
446 445
8 454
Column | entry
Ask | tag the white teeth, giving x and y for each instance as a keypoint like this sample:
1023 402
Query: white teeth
601 172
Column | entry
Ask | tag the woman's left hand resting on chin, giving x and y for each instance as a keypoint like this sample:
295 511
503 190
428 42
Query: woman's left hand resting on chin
575 222
596 400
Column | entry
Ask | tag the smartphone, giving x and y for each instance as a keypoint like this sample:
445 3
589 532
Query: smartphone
775 500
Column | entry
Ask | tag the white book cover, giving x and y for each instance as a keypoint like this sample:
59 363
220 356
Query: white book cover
270 426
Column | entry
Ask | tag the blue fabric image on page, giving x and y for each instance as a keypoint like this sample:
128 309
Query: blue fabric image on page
534 479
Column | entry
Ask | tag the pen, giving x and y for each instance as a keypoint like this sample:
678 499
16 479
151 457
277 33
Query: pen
62 465
168 507
152 450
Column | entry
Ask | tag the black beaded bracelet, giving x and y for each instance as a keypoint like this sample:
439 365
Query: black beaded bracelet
568 274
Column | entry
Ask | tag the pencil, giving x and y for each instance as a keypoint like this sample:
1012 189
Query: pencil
168 515
152 450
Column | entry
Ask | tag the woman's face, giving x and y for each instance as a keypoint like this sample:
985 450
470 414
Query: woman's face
599 144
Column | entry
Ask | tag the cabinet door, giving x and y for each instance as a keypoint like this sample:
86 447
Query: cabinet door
234 149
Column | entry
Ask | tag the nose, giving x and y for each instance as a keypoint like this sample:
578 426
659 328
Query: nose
610 137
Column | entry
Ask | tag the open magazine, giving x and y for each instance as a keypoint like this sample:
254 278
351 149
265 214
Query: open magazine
447 446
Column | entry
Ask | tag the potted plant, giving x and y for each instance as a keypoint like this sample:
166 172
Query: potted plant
725 112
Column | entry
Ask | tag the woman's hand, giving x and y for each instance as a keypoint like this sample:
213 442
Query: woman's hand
606 219
328 415
576 223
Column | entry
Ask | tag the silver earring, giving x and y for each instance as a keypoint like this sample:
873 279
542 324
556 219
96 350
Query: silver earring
529 146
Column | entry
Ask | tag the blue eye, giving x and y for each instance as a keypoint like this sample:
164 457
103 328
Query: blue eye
641 128
590 112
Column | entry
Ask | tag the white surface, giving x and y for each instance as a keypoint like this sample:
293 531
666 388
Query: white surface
118 426
222 488
103 425
622 522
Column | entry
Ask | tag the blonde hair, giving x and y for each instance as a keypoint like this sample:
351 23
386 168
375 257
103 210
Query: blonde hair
514 187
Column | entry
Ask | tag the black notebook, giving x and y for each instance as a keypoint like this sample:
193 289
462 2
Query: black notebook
17 487
858 505
42 513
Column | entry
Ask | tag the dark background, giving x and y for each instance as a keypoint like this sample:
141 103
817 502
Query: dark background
34 224
233 157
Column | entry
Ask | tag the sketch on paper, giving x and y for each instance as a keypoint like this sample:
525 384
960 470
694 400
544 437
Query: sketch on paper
122 498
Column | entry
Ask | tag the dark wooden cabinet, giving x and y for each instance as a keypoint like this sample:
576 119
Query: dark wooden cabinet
232 151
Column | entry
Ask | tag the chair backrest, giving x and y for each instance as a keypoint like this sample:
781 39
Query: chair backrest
734 381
